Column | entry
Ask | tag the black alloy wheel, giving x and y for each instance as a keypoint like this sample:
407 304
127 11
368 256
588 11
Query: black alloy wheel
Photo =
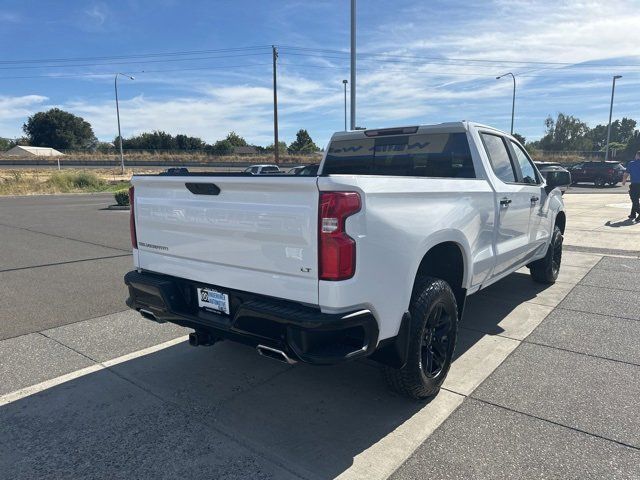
435 341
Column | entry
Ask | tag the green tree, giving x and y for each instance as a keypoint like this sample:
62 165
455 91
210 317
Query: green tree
621 132
282 148
58 129
520 138
565 133
221 147
236 140
303 143
156 140
633 145
5 144
184 142
24 141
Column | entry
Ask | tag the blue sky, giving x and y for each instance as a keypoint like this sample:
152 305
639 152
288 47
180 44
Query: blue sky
421 62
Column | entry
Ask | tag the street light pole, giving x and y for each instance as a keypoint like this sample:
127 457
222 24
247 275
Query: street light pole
345 103
115 82
613 90
513 101
353 64
276 145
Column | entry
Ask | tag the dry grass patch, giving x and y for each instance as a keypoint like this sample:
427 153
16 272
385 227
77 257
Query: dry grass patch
16 182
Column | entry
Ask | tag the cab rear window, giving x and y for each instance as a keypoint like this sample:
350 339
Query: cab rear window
439 155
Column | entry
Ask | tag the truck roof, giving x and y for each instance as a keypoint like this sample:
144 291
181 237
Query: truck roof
442 127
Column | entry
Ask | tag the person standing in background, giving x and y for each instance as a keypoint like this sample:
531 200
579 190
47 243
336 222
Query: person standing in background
633 172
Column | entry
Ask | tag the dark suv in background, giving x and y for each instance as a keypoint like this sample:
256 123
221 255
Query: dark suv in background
552 168
598 173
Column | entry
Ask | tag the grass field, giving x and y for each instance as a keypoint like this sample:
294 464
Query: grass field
29 182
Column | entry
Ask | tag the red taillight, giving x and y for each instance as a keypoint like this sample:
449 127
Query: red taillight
336 249
132 220
611 171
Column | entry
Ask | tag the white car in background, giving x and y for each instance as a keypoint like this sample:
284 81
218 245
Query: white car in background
262 169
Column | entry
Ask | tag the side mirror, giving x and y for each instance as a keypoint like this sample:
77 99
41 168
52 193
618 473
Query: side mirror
557 179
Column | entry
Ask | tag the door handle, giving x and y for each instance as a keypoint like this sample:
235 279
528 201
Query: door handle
534 199
505 201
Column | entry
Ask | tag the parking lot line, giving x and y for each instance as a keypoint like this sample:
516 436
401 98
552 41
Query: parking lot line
39 387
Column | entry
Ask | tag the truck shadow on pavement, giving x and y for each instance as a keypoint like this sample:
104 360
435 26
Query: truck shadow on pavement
220 412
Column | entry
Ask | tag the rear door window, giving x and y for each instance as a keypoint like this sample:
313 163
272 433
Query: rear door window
499 157
440 155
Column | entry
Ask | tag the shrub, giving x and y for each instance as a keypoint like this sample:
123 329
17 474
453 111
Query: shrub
86 180
69 181
122 197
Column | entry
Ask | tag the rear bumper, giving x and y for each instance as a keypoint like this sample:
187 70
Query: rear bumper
304 333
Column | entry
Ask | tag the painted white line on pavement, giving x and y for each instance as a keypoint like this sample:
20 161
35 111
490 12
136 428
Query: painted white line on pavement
145 351
39 387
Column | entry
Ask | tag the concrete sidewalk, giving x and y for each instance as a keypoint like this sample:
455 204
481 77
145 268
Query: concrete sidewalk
598 223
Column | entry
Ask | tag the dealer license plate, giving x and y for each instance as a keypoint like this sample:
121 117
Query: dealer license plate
213 300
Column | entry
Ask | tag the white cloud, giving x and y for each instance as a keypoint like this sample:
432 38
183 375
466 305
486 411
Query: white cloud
15 110
97 14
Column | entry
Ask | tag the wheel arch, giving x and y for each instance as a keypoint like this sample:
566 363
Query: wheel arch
447 258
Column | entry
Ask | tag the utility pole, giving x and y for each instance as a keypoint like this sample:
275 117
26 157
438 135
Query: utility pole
353 64
613 91
115 83
276 146
345 81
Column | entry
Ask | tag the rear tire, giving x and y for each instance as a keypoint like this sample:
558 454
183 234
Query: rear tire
546 269
432 340
599 182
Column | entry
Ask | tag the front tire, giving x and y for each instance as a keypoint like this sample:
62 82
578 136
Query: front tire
599 182
432 340
546 269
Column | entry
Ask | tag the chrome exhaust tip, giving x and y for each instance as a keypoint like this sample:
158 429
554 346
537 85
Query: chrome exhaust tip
149 315
275 354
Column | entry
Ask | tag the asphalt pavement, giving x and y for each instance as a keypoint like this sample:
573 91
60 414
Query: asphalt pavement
545 383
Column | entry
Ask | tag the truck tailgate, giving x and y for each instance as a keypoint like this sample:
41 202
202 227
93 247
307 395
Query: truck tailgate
258 234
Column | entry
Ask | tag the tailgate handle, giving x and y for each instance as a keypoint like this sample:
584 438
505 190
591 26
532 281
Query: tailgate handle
203 188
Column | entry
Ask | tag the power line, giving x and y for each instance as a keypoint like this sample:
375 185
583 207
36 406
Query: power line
141 55
434 72
110 74
465 60
136 62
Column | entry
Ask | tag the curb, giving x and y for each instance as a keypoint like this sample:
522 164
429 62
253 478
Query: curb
118 207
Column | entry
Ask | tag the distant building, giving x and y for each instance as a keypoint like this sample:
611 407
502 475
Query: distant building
247 150
23 151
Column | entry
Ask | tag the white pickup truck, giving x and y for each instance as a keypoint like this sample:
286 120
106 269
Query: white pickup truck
374 257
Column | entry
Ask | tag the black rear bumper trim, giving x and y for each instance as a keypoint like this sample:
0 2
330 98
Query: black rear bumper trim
304 332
